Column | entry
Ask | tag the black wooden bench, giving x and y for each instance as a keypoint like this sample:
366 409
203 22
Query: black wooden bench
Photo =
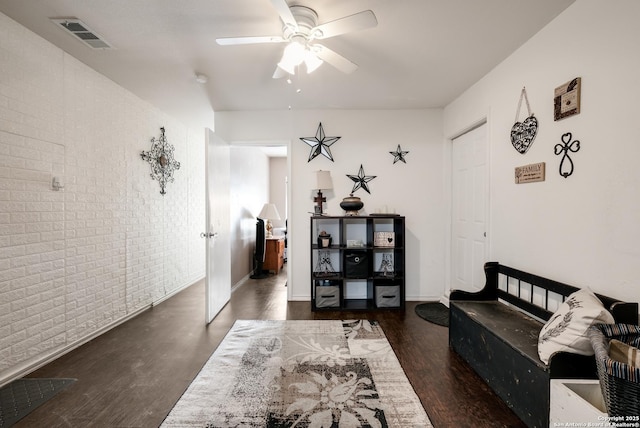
496 331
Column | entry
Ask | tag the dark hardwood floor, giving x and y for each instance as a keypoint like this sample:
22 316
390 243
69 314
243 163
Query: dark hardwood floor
134 374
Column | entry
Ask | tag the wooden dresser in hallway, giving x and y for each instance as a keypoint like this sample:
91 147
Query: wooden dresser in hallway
274 254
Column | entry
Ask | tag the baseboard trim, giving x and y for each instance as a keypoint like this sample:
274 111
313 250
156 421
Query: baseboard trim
48 358
242 282
42 361
176 291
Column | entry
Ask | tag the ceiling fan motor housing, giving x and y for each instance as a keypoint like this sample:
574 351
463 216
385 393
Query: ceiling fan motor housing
306 18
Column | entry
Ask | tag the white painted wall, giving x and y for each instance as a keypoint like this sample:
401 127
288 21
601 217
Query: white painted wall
76 262
249 192
415 189
583 229
278 190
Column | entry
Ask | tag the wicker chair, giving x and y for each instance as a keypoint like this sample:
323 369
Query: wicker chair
619 382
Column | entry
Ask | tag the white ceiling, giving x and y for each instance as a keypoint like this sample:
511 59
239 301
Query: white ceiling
422 54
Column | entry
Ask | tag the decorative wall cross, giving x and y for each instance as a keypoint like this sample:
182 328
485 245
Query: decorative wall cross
566 147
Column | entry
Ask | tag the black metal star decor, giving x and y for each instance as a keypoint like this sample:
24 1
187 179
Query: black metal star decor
360 181
160 157
320 144
399 155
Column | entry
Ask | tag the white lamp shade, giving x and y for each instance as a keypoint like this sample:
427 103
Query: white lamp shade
269 212
323 180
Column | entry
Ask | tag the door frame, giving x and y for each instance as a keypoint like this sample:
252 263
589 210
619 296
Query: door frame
484 120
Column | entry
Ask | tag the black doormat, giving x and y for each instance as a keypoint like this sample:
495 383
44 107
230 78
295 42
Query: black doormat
20 397
434 312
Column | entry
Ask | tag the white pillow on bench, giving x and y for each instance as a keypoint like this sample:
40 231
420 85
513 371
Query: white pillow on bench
567 328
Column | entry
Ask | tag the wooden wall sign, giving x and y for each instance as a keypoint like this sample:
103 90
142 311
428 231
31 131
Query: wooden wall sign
566 99
530 173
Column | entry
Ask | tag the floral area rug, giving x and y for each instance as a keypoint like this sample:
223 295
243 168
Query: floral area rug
301 374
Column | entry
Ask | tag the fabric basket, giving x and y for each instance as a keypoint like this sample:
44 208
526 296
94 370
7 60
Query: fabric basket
619 382
356 264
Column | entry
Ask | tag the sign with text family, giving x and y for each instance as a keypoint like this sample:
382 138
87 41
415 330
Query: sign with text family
530 173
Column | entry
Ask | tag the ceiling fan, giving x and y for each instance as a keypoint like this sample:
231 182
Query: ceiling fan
300 31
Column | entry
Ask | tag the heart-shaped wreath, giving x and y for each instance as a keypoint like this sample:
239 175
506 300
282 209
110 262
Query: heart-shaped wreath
523 133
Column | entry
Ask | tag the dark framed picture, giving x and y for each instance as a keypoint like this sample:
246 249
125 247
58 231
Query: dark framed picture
566 99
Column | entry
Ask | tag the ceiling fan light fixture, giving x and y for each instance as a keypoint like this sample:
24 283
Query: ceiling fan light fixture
311 61
295 54
287 66
292 57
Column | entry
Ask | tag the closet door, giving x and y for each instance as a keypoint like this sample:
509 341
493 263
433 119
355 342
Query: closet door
470 202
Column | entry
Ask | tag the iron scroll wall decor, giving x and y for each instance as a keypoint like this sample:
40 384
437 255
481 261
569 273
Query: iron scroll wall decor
160 157
566 169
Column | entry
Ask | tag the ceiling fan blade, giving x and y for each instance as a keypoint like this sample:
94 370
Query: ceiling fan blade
359 21
285 13
227 41
335 59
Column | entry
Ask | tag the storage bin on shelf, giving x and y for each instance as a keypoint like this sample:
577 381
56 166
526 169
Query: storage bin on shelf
620 382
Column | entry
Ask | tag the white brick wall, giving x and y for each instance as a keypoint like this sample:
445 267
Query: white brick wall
77 261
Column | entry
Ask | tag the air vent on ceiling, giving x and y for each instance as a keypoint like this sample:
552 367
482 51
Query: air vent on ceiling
80 30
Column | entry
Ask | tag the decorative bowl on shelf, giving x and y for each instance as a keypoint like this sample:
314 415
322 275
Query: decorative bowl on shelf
351 205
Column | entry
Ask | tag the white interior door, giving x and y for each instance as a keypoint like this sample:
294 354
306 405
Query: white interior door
469 244
218 281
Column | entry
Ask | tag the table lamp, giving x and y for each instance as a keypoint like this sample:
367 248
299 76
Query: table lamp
323 182
269 212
